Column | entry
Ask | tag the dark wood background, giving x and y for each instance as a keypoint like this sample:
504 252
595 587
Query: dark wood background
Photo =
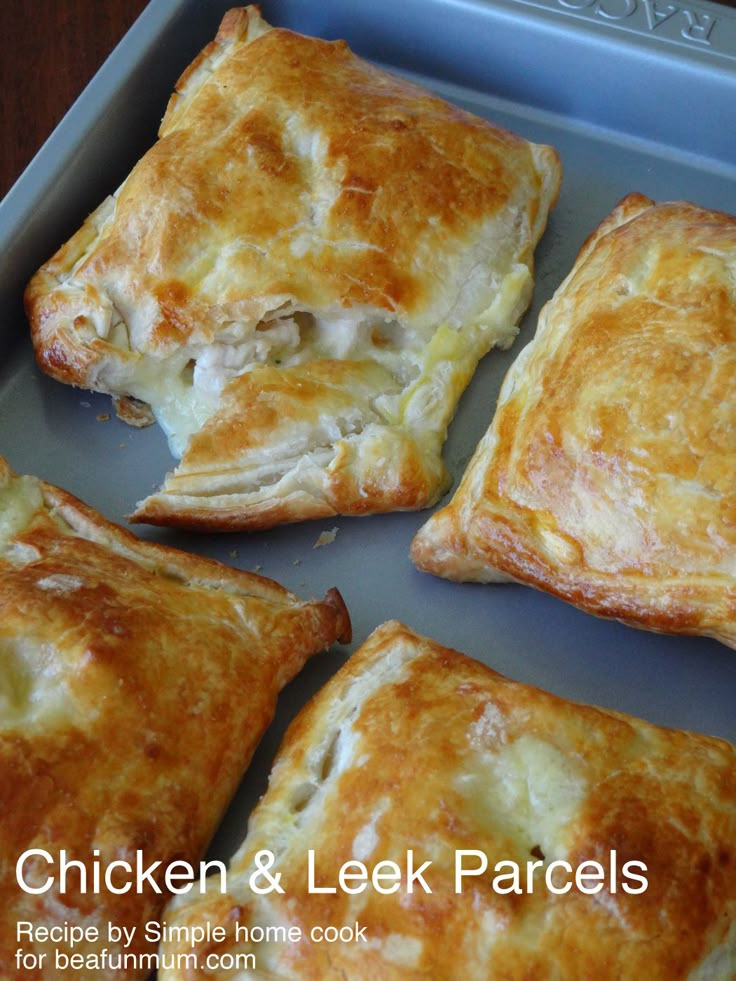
49 50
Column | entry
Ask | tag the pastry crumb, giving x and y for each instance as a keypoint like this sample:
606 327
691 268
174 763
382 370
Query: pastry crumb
297 562
326 538
234 553
103 417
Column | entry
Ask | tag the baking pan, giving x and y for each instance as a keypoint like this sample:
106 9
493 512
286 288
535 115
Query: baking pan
636 95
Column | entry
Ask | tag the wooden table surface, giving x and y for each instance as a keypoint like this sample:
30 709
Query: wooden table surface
49 50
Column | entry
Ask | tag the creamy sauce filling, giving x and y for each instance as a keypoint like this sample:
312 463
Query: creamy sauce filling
184 390
20 498
180 408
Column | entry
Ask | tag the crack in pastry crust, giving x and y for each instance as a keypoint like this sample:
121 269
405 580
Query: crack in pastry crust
606 476
300 207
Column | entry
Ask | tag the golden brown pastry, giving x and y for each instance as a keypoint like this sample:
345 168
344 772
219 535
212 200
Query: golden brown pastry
135 683
297 280
607 475
609 841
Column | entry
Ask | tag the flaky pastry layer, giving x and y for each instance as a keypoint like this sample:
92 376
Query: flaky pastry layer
303 214
606 476
412 747
135 684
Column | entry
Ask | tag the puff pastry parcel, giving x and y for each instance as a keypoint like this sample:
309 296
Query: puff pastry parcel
135 683
607 475
414 753
298 279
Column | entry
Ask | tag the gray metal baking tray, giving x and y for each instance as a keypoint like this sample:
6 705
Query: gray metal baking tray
634 94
